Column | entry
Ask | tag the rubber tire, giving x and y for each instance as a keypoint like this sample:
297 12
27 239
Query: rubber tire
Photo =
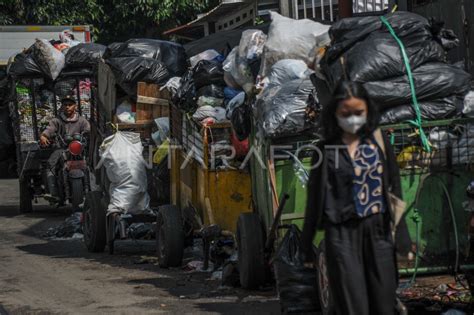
26 198
94 211
324 293
77 193
251 243
169 237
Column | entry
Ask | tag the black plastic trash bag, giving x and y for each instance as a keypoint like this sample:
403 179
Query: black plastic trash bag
296 284
432 81
282 109
84 55
211 91
6 133
185 97
128 71
208 72
241 121
4 86
372 54
171 54
23 65
432 110
76 72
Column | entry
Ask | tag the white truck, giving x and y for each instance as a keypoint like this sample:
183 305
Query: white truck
15 38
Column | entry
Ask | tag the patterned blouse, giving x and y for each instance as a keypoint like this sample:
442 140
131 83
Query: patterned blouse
367 181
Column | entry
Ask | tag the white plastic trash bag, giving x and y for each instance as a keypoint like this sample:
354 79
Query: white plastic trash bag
49 59
287 70
216 113
251 44
209 54
121 155
468 109
237 62
237 101
293 39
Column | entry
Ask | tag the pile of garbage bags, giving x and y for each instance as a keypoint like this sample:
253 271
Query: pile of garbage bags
363 50
274 67
145 60
52 59
202 91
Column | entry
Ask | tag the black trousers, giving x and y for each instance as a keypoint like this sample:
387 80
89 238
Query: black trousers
361 266
54 160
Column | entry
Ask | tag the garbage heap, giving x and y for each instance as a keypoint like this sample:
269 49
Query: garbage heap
264 81
145 60
42 75
364 50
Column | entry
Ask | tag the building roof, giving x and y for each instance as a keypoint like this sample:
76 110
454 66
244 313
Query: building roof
226 7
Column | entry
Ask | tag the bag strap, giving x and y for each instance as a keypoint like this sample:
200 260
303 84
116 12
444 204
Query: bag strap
379 139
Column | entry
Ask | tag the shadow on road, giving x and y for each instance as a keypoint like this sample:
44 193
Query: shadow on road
140 255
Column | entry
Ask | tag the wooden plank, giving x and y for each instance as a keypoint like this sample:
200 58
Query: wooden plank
152 100
144 112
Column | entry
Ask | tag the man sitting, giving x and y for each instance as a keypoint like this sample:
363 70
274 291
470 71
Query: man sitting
69 123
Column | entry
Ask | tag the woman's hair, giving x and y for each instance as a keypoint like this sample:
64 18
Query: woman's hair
344 91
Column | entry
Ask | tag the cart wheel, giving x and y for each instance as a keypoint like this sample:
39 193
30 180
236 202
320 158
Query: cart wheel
94 225
77 193
26 198
325 297
250 242
169 237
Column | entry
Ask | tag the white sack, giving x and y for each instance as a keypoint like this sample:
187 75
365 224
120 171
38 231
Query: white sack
293 39
121 155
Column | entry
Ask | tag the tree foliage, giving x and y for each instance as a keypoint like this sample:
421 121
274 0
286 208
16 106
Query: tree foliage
111 20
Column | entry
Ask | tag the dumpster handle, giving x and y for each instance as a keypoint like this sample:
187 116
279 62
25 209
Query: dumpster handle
272 234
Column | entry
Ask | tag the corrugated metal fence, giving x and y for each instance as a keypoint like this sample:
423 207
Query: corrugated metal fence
458 16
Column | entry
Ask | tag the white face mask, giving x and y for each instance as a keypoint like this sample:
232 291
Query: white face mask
351 124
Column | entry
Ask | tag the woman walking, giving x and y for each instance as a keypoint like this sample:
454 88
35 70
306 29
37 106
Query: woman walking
349 196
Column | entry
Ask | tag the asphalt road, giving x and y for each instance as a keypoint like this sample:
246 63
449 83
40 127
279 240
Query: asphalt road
45 276
40 276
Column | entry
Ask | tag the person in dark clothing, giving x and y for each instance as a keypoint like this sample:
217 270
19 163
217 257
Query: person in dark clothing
348 196
69 123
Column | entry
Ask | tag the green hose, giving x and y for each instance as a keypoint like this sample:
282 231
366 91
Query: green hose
417 122
455 227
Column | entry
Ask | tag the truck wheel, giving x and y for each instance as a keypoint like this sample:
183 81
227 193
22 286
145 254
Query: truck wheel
77 193
169 237
250 242
324 292
26 197
94 222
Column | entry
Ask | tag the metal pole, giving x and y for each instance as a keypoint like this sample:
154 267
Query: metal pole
304 8
374 5
345 8
331 12
365 6
297 17
314 8
322 10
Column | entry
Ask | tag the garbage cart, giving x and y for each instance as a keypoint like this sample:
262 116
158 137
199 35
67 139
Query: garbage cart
102 230
35 101
433 186
207 196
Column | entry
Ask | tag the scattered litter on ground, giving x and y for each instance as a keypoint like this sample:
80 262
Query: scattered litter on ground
71 228
146 260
